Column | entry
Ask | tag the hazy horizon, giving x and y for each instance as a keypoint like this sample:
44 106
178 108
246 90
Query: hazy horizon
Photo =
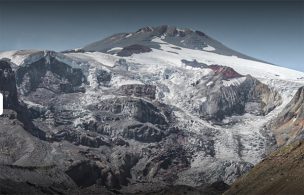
270 31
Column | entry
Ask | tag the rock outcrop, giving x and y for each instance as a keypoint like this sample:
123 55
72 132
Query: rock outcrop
15 109
279 173
133 49
236 95
8 86
143 91
289 125
49 73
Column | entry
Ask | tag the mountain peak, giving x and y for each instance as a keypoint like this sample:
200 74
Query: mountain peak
167 30
145 29
176 36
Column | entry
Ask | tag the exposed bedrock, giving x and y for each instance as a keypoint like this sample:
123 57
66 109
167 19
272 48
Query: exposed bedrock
131 118
113 176
138 90
247 96
11 102
103 77
133 49
8 86
51 74
194 64
289 125
225 71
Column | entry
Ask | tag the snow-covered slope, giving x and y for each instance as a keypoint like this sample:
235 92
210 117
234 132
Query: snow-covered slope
167 60
171 56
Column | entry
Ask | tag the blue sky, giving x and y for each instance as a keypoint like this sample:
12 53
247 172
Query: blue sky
272 31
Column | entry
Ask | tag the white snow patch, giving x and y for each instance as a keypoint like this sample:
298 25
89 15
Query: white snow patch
19 57
163 36
234 82
159 40
93 57
115 49
118 81
180 30
92 78
209 83
257 69
128 35
209 48
204 99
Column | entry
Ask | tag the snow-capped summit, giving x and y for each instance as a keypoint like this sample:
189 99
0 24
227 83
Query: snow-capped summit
180 37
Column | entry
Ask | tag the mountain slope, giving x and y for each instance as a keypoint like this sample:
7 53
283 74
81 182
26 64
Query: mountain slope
280 173
289 125
147 113
181 37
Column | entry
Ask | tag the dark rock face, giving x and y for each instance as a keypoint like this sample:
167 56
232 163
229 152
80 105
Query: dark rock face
200 33
80 138
226 72
145 29
130 118
143 91
131 108
8 86
84 174
213 189
251 96
195 64
10 99
51 74
88 173
103 77
173 158
25 181
133 49
289 125
143 133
